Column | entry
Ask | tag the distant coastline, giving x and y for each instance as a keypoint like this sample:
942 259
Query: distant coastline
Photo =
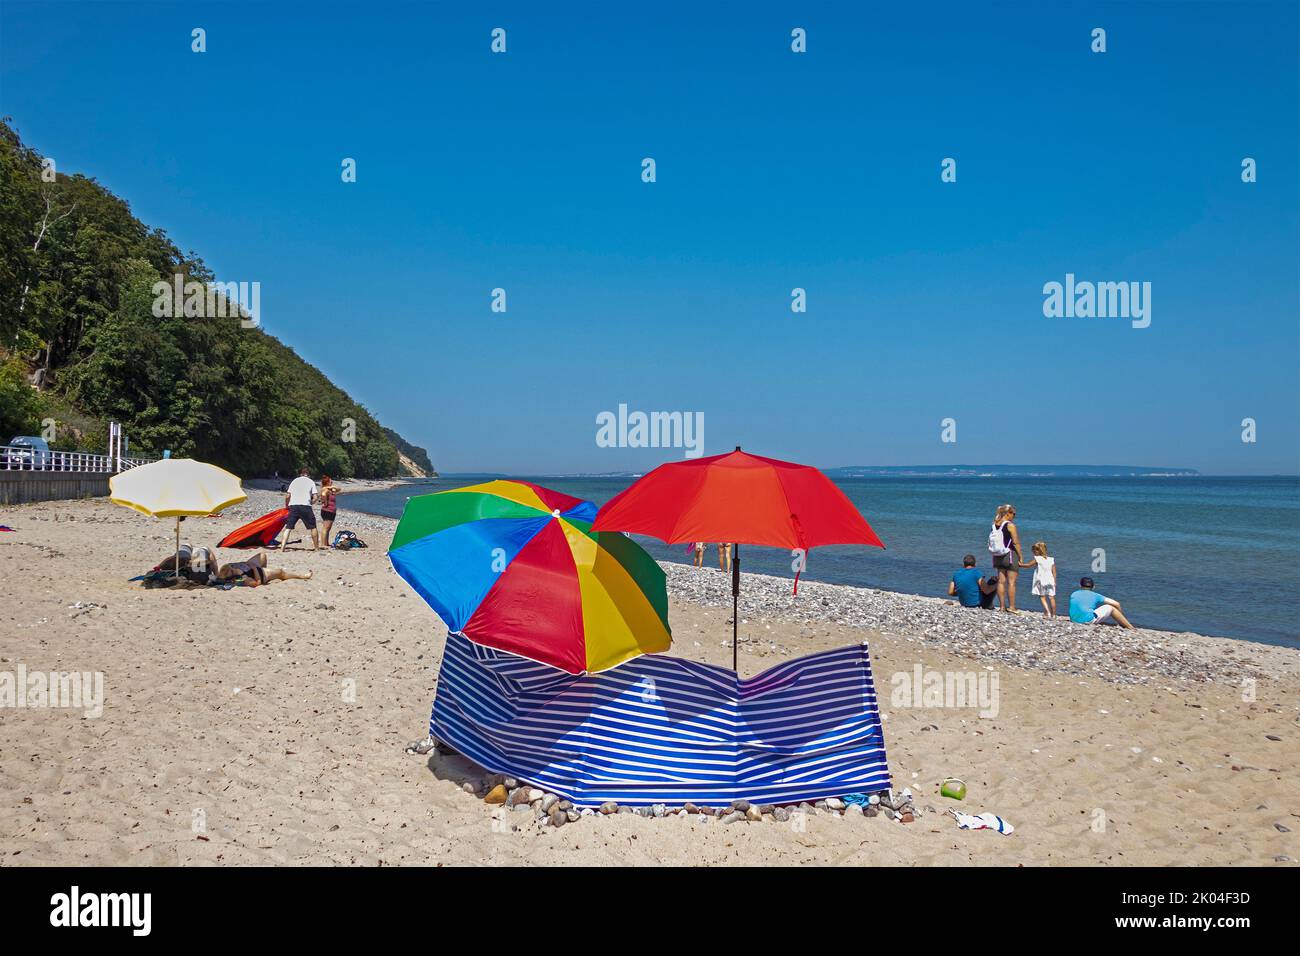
1011 471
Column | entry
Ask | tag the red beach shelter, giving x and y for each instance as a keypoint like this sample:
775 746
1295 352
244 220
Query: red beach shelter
740 498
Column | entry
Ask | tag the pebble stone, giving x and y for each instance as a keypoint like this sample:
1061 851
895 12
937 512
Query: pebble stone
1021 640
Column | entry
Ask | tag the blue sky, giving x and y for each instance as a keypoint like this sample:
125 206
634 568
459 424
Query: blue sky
775 170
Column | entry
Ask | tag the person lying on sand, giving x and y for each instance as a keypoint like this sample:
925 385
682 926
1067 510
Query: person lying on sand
1089 607
255 572
196 566
970 588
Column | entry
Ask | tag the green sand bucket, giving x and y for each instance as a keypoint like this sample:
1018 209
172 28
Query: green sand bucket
954 788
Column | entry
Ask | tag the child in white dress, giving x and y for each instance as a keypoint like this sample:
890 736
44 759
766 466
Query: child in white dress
1044 577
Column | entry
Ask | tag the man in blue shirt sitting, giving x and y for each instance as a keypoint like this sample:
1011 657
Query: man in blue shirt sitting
1089 607
970 587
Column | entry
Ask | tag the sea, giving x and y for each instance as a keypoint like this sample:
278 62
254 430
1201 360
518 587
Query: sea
1210 555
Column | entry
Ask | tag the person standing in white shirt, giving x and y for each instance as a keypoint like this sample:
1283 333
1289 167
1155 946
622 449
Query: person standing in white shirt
1044 577
302 492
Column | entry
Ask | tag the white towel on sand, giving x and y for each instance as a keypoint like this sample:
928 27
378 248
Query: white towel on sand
982 821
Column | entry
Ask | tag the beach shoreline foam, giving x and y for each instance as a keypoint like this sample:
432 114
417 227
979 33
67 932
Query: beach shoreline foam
266 726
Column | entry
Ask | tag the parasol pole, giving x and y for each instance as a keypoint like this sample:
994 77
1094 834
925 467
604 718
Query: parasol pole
735 605
176 567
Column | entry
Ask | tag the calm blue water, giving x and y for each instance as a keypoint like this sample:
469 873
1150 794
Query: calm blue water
1211 555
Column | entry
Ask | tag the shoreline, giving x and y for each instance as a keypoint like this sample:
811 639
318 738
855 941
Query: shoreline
343 484
1022 640
1160 601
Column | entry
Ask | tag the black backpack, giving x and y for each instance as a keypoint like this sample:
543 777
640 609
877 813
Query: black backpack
346 540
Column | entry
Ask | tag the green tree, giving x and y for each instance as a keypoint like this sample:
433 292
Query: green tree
19 403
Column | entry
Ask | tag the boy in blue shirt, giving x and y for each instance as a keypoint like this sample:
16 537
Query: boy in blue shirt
1089 607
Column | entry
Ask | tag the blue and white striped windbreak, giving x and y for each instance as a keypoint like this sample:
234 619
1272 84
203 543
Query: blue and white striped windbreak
661 729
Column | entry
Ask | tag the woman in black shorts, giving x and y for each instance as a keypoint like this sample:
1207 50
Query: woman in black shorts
1007 565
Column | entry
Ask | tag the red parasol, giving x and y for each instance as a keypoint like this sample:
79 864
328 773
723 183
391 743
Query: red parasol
739 498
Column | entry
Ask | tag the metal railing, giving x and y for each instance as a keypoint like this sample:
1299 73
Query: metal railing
25 458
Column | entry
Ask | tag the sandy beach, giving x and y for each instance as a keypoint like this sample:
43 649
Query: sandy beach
229 734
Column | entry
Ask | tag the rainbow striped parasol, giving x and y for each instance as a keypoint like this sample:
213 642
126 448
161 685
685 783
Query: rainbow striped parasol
516 567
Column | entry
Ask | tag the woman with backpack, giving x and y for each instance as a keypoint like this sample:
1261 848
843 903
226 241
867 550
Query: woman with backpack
1004 545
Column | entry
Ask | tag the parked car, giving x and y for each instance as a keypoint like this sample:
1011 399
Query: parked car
28 451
